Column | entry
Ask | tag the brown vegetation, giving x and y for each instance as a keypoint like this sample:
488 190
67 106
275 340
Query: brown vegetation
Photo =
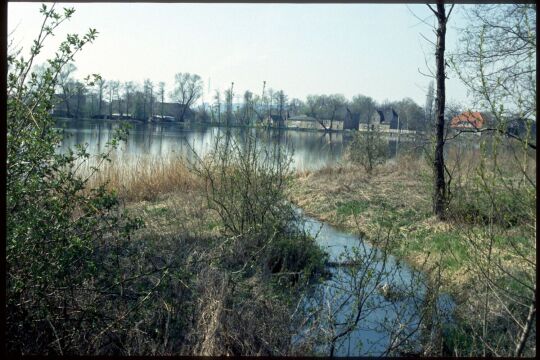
398 195
144 178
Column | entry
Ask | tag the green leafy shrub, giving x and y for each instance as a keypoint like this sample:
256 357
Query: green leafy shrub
59 233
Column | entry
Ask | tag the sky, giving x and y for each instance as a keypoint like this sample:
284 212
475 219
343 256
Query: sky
302 49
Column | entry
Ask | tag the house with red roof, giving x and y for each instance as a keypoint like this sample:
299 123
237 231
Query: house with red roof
468 120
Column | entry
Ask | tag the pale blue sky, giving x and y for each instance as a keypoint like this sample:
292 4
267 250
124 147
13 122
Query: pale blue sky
370 49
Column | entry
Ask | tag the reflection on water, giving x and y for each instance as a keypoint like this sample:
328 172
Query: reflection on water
310 150
352 299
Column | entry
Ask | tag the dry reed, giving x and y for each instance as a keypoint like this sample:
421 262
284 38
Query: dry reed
143 177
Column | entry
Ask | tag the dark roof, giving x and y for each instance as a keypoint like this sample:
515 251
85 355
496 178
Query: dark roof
389 116
276 118
381 115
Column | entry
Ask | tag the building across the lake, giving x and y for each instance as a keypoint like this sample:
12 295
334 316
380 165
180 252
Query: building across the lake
352 120
164 118
114 116
304 122
388 117
468 120
275 121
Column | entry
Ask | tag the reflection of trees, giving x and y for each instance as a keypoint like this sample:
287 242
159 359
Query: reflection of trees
373 304
311 150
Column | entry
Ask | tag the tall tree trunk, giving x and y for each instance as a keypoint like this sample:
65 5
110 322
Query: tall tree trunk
127 104
440 191
144 109
110 104
151 103
66 101
100 102
78 105
182 113
92 106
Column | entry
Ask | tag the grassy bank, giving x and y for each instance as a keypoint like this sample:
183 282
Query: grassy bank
483 254
396 197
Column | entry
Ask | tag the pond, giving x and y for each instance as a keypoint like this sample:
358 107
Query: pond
310 150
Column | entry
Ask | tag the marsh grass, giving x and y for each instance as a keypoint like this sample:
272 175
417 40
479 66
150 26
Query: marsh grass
143 177
397 195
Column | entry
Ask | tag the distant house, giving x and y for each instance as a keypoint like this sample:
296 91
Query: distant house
468 121
387 117
383 119
275 121
301 122
117 116
304 122
164 118
352 121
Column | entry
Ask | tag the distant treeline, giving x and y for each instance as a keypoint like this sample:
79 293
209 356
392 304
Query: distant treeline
103 99
147 101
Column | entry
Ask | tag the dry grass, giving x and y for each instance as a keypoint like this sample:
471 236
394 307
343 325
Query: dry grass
319 193
398 195
257 325
144 178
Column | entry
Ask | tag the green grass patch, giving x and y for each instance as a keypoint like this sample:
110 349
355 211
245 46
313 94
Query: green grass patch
353 207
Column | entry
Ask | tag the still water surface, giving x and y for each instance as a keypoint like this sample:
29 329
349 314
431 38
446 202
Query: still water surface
354 294
310 150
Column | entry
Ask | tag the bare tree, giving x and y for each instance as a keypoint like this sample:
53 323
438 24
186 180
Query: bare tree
161 93
188 89
270 101
295 106
101 87
129 88
335 108
428 107
113 90
229 95
149 95
313 105
67 85
247 109
496 60
281 101
497 63
326 107
217 98
81 91
440 192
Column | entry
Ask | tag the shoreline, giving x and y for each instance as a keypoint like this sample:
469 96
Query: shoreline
404 135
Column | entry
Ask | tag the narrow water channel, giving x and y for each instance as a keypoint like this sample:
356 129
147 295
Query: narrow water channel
373 304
